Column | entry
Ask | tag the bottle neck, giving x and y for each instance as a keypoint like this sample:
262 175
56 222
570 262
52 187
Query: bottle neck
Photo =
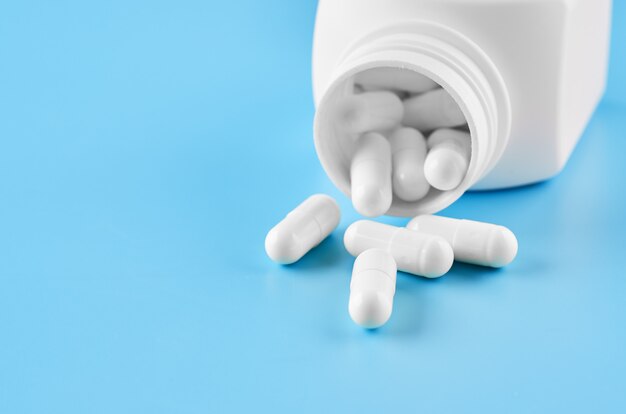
455 63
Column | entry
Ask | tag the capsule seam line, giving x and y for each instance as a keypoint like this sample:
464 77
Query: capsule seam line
378 270
319 227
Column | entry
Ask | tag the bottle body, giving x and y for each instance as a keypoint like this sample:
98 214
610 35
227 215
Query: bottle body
527 75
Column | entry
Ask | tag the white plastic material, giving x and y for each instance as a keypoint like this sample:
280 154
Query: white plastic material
370 174
472 241
432 110
389 79
448 158
408 148
526 75
302 229
369 111
372 288
417 253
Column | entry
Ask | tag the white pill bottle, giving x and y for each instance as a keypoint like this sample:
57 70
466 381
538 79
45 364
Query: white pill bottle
527 75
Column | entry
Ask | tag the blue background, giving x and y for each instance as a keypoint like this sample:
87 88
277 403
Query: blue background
145 150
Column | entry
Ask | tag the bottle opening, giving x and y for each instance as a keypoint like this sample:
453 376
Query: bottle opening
441 81
427 107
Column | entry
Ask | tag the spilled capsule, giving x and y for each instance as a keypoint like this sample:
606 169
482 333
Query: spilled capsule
473 242
432 110
369 111
408 148
372 288
370 175
448 158
396 79
417 253
302 229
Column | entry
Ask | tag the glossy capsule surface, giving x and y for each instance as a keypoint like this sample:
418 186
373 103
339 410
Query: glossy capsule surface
408 149
370 175
417 253
473 242
432 110
369 111
448 158
302 229
372 288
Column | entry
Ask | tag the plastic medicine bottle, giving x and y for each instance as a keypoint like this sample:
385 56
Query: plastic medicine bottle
527 75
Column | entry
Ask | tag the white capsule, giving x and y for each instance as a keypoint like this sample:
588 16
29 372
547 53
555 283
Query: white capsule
394 79
370 175
302 229
372 288
369 111
432 110
417 253
408 149
472 241
448 158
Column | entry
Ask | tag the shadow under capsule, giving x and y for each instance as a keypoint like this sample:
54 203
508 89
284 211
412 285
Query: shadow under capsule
329 253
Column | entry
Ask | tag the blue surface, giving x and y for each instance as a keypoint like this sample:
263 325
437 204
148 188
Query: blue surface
146 148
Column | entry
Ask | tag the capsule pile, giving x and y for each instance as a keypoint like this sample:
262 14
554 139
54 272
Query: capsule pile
391 112
426 247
